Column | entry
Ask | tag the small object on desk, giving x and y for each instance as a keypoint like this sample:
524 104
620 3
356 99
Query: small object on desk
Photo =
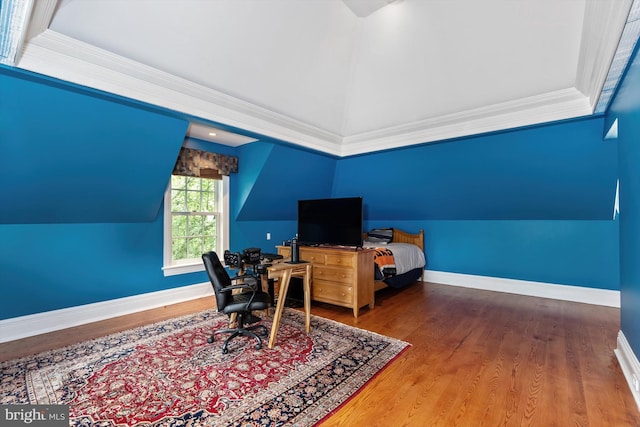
295 253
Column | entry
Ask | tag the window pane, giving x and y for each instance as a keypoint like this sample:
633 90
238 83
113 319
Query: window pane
193 201
209 225
209 243
193 183
196 225
178 181
194 217
194 247
178 201
179 249
208 202
208 184
179 225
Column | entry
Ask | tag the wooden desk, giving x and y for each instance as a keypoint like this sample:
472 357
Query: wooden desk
284 272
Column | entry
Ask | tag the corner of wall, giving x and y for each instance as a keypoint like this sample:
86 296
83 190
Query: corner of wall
629 365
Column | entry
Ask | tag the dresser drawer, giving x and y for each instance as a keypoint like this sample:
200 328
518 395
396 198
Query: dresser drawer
340 259
312 256
340 276
331 292
333 274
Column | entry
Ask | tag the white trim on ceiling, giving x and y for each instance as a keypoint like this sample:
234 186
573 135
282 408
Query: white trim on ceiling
599 44
558 105
57 55
14 20
68 59
625 48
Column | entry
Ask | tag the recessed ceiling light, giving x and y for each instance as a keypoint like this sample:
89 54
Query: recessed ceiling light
212 134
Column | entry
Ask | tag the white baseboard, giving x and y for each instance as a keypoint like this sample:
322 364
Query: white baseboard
630 366
40 323
524 287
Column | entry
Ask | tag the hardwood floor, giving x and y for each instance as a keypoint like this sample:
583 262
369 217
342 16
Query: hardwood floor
478 358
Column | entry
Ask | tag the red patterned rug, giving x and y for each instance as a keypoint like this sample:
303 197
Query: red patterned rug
167 374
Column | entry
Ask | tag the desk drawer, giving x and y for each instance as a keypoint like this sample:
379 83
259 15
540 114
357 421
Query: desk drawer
340 275
332 293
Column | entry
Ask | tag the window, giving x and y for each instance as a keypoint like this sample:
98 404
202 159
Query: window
195 221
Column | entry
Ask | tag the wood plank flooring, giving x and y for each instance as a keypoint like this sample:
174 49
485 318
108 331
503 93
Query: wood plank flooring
478 358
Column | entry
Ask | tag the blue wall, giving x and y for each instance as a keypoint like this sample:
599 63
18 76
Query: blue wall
578 253
50 266
82 176
531 204
265 194
626 108
534 204
274 177
70 157
557 171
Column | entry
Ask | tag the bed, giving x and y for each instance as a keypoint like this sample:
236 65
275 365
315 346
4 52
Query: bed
399 259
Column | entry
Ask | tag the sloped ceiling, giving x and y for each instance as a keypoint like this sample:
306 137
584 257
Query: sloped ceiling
88 160
313 73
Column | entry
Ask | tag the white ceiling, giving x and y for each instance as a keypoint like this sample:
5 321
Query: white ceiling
322 75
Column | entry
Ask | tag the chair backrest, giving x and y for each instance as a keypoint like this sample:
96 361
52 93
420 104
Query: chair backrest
219 278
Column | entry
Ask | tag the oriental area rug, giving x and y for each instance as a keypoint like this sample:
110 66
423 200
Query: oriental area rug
167 374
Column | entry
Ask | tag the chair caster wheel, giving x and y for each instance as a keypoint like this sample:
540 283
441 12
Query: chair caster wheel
225 351
210 340
258 346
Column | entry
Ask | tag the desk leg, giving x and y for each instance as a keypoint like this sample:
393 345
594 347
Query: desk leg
282 296
307 299
264 283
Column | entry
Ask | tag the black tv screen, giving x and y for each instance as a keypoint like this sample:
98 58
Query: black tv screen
336 221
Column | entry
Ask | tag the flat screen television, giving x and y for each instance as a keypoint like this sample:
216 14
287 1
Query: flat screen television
336 221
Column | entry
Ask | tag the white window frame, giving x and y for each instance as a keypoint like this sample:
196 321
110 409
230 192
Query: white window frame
222 241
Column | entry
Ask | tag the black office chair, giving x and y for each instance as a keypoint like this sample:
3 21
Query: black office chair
242 303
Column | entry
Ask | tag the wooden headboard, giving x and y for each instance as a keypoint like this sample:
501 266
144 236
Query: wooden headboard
400 236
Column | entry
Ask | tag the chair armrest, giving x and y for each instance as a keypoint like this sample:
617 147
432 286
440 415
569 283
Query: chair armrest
243 286
240 286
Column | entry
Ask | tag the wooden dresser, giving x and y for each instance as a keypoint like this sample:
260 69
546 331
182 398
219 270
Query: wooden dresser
340 276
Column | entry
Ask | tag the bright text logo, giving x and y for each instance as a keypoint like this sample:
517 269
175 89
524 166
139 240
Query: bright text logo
37 415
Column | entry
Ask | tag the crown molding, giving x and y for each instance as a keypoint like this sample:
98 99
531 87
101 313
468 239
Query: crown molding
56 55
621 58
552 106
43 11
68 59
599 44
53 54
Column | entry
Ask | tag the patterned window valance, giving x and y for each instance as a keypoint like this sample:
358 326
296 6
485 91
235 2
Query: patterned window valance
192 162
